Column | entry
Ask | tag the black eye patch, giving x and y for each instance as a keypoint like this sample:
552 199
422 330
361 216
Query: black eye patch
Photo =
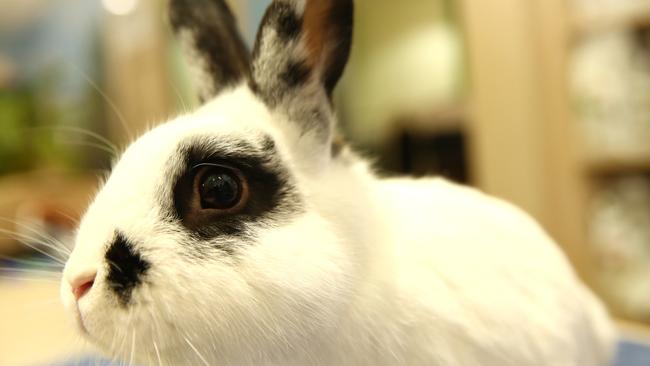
271 195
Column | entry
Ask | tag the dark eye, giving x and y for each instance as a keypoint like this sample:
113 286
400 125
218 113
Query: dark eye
220 187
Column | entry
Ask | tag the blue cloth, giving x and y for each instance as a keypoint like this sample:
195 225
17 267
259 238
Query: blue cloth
88 361
629 353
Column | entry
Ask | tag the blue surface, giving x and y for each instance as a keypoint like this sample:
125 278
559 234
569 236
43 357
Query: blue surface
629 353
89 361
632 353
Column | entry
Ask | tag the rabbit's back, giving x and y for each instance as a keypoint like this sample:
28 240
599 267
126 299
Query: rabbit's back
480 282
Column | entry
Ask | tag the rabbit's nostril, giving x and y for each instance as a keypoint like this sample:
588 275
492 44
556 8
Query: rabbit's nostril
82 285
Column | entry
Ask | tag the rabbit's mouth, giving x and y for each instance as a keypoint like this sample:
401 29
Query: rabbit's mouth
80 322
88 311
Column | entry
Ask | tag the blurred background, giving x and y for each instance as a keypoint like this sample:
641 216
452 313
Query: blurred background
545 103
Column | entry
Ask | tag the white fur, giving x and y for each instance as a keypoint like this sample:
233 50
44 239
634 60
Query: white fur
373 272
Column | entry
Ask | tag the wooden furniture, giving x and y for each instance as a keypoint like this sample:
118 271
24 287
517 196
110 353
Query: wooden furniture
35 329
46 194
524 142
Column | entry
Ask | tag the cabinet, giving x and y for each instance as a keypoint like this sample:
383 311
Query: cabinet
527 143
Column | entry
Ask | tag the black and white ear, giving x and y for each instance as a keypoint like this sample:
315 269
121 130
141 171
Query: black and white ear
213 47
299 55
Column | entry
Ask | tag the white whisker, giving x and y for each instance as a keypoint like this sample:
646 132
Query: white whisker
91 144
156 332
32 229
47 237
68 216
110 103
196 351
30 271
35 263
22 239
106 144
132 347
179 97
155 347
114 352
95 135
29 279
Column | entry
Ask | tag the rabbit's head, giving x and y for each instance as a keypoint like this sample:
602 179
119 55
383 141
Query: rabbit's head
209 241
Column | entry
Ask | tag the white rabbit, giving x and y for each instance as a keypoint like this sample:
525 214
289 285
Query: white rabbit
239 234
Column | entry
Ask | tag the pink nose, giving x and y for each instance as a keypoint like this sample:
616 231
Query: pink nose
81 285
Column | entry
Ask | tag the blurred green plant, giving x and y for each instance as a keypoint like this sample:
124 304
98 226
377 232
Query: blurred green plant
16 113
42 128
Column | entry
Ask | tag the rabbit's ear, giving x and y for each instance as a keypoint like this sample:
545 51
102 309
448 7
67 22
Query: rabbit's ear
299 55
213 47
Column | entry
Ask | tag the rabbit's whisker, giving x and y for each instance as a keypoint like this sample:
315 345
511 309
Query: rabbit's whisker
30 271
132 346
95 135
90 144
74 219
40 235
106 145
114 150
29 279
123 349
155 334
196 351
35 263
113 264
23 240
184 105
108 100
26 239
155 347
60 246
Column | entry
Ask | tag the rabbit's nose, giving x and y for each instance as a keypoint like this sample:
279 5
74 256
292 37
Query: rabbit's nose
82 284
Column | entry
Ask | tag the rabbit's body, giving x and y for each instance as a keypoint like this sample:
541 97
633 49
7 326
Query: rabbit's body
239 235
449 267
453 268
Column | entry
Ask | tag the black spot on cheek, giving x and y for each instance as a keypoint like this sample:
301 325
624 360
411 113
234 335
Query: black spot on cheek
125 267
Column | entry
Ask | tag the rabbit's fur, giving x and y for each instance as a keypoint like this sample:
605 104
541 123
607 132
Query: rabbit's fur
325 264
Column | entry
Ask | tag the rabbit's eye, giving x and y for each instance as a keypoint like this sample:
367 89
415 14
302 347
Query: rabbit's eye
220 188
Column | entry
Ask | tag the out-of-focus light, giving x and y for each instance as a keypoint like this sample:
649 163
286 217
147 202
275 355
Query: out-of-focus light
120 7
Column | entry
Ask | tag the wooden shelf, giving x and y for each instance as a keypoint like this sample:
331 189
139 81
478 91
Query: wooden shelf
634 330
597 20
52 195
618 164
442 119
524 117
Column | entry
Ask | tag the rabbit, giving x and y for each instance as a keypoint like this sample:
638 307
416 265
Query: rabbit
245 233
